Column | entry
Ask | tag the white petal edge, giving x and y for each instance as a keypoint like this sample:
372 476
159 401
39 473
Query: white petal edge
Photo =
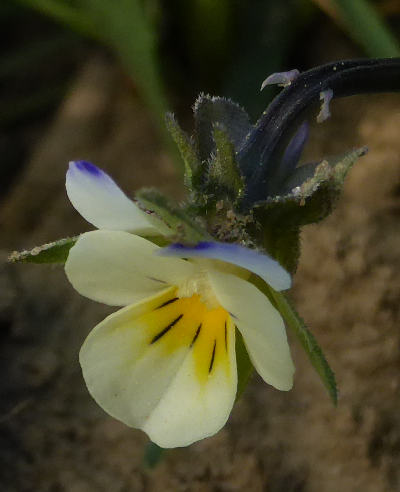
119 268
100 201
261 264
141 386
261 326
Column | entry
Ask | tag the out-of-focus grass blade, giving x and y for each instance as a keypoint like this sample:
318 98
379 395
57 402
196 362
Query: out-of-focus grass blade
29 57
264 36
367 27
73 17
126 27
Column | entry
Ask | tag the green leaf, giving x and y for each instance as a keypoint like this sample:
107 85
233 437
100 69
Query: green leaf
184 227
307 340
244 366
209 111
223 171
55 252
125 27
186 149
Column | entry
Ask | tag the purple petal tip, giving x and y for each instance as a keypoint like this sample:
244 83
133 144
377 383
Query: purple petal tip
85 166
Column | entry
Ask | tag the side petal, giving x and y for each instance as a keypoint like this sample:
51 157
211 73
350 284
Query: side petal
260 324
119 268
261 264
141 366
97 197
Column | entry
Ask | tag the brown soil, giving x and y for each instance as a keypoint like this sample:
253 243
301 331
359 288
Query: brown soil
54 438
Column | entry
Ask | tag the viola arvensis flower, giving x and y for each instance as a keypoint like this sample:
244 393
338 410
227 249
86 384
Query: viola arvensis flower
166 362
192 276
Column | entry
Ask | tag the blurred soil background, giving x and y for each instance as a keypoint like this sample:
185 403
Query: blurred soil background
67 94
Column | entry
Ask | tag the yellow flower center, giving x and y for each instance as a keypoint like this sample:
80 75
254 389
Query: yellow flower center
199 284
190 318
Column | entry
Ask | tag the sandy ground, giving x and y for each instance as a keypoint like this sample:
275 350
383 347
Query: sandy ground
53 437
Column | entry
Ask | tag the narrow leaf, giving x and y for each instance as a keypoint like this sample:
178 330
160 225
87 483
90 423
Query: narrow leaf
55 252
308 342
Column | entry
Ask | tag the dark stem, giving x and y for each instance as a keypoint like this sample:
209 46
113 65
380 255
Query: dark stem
267 142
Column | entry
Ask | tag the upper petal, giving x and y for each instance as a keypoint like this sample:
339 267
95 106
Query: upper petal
119 268
261 325
142 366
97 197
259 263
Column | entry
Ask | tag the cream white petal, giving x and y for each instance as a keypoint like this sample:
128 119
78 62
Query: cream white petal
119 365
97 197
192 409
149 379
119 268
260 324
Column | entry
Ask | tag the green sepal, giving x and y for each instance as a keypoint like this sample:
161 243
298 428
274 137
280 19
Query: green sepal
307 178
223 171
183 226
315 189
187 150
244 365
55 252
283 244
313 199
209 111
303 334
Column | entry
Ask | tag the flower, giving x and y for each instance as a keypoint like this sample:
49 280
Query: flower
165 363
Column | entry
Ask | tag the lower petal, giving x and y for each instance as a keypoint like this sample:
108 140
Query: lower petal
166 366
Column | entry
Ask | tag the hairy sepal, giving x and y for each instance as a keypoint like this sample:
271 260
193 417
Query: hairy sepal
210 111
193 168
224 178
55 252
311 200
183 226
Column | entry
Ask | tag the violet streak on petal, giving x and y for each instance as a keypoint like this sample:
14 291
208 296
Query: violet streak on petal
259 263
